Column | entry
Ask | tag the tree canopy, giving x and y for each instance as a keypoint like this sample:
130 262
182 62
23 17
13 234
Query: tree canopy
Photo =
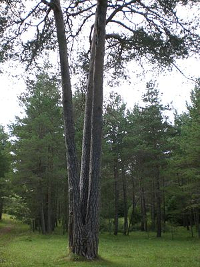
159 30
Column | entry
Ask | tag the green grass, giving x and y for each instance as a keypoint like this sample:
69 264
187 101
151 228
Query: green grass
21 248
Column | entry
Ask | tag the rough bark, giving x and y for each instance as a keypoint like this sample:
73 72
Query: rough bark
86 144
92 217
84 197
72 162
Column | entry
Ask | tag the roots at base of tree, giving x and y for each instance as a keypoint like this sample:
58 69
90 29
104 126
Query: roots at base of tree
85 248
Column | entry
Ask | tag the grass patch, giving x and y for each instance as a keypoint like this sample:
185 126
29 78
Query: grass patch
21 248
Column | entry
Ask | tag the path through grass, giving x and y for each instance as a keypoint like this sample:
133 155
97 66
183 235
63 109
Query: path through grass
21 248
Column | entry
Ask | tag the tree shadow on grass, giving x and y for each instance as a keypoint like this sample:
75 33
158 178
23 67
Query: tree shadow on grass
100 262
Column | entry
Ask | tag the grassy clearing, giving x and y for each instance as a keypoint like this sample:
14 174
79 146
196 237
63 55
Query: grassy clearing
21 248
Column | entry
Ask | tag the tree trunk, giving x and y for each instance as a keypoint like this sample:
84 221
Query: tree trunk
84 197
197 222
74 227
125 201
153 207
133 204
116 193
43 226
158 201
191 222
49 210
164 204
143 211
86 144
1 207
96 133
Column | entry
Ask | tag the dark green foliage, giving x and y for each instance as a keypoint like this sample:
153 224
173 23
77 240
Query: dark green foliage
4 167
39 156
185 162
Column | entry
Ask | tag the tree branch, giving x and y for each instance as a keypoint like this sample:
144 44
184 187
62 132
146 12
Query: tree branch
188 78
119 9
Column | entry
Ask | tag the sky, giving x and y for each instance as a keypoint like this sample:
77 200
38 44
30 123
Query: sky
173 86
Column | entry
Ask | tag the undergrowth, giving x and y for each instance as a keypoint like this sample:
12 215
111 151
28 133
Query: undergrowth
19 247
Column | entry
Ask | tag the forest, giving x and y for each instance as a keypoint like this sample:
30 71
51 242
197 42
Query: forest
84 165
150 167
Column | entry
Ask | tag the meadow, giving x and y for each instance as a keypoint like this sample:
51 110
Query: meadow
22 248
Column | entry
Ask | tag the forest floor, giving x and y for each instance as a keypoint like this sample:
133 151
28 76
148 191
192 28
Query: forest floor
19 247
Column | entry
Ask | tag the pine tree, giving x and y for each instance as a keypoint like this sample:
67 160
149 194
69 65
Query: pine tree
148 132
4 166
39 153
185 164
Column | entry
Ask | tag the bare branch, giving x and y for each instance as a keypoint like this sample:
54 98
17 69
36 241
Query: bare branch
120 8
80 11
30 13
188 78
123 25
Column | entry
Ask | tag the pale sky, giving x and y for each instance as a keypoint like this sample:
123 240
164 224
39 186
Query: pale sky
173 85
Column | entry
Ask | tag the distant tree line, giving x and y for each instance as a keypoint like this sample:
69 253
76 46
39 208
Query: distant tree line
150 167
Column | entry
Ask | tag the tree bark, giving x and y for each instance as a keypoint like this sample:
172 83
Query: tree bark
86 144
92 216
84 196
72 162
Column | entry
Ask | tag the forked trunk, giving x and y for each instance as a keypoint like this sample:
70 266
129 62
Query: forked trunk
85 159
92 216
84 196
